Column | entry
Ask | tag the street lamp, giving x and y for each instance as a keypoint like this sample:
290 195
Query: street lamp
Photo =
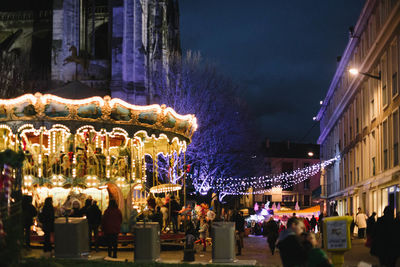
355 71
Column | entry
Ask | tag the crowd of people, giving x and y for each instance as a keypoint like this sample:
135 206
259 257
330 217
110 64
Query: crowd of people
298 245
296 240
110 222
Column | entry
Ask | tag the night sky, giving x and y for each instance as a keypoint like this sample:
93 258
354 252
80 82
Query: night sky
283 53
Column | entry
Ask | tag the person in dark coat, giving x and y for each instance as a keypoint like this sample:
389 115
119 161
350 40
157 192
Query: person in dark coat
84 210
313 223
239 229
321 228
46 217
272 234
370 228
158 217
76 209
111 225
28 213
385 244
93 215
175 208
291 245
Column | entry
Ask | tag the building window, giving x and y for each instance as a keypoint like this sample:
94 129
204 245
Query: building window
351 178
384 95
373 166
385 159
396 138
306 200
267 198
372 109
394 84
385 144
358 174
307 184
287 198
357 126
268 167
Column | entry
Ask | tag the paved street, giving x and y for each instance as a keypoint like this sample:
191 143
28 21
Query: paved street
256 248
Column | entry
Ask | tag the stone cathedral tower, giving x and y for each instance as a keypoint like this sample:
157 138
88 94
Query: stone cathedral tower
110 45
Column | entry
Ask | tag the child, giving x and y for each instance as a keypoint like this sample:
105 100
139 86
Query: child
316 256
203 232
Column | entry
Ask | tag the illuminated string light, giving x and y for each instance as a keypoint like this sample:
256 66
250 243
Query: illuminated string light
263 184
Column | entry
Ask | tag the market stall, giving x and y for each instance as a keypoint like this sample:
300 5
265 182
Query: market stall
306 213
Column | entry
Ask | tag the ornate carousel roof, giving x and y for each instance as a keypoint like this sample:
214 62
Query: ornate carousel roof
47 110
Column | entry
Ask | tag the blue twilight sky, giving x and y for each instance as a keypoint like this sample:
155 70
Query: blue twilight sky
283 52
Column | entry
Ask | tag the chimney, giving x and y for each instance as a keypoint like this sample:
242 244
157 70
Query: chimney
351 32
267 143
338 59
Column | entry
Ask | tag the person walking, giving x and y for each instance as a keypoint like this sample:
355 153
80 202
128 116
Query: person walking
93 215
291 245
111 225
370 228
321 228
385 243
28 213
239 229
272 234
46 217
313 223
361 222
175 208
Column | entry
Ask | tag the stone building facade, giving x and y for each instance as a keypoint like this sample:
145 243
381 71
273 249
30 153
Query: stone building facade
359 117
111 45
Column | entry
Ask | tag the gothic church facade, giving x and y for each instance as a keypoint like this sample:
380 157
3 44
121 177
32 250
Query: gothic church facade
112 46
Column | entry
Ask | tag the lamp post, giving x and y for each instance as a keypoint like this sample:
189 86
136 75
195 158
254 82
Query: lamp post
355 71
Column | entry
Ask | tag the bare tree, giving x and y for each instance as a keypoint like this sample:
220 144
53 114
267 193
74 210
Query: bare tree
224 143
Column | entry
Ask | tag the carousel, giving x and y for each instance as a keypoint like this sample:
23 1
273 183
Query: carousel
98 147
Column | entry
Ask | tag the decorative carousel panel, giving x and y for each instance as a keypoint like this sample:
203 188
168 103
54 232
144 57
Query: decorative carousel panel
169 121
24 109
148 117
91 111
3 112
120 113
56 110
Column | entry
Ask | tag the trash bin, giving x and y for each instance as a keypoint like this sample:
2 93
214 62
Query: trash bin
223 242
71 237
147 241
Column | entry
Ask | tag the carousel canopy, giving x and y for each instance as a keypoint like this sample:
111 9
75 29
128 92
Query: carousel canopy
100 112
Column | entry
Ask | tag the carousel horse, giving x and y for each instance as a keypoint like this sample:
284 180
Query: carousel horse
83 61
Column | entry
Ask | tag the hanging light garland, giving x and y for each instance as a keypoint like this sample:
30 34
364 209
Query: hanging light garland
263 184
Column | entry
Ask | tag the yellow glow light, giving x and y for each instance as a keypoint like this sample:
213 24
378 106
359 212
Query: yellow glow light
21 99
89 100
353 71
